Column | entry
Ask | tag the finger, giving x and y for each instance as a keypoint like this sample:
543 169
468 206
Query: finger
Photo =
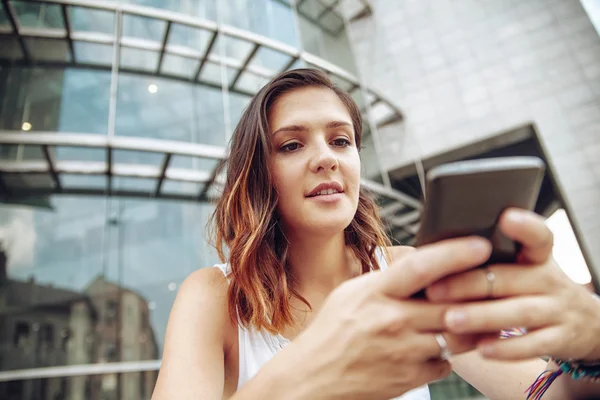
425 347
493 316
430 263
421 315
538 343
509 280
459 344
531 231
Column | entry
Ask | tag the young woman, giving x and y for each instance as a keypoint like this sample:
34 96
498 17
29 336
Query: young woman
306 307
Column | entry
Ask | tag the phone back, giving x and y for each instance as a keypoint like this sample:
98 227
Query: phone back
467 198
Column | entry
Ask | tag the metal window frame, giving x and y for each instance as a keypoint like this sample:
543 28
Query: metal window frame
162 47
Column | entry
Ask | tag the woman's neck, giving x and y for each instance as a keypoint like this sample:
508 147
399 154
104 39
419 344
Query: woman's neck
320 264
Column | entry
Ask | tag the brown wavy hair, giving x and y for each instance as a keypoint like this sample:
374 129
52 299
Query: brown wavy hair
245 220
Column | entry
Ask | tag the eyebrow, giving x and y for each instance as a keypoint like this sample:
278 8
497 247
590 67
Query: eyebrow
303 128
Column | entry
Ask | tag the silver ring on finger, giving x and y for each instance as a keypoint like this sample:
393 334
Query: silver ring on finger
446 353
490 277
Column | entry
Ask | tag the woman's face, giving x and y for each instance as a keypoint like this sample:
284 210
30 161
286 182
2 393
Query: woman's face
315 161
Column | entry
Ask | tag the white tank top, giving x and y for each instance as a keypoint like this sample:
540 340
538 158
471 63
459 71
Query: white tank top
256 348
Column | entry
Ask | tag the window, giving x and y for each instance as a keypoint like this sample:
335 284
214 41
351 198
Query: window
22 331
46 335
111 311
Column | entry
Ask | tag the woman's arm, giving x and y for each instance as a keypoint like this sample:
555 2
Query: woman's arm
193 356
510 379
198 337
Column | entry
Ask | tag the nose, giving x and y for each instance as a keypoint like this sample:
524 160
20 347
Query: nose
324 160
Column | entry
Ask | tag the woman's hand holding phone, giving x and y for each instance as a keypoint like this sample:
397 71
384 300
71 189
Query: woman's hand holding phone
562 318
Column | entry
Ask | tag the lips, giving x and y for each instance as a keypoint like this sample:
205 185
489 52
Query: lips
325 189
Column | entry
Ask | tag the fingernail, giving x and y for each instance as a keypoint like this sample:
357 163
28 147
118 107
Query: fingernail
437 291
455 318
516 216
479 245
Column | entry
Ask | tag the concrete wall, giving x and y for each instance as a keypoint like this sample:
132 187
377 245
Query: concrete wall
463 70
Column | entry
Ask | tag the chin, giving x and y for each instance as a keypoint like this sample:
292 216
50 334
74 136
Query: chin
329 225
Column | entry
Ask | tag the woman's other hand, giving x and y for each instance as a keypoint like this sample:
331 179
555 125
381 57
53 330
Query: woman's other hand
373 339
562 318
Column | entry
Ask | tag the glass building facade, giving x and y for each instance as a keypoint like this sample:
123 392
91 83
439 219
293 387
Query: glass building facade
113 117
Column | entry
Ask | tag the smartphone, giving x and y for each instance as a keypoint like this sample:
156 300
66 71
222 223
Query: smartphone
467 197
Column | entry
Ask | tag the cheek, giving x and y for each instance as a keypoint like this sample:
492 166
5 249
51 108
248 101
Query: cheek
283 179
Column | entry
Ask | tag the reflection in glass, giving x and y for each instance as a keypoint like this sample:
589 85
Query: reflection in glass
48 49
85 19
323 34
143 28
205 9
93 53
188 37
268 18
179 66
11 48
38 14
177 111
94 265
139 59
64 100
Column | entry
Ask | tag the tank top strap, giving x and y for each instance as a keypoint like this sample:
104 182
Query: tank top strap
380 256
225 269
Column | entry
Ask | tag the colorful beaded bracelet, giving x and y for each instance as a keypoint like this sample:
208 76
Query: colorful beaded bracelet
576 369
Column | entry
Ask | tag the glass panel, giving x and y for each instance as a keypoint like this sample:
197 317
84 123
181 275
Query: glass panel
4 23
235 49
21 152
48 49
131 184
38 14
332 21
172 110
311 9
133 385
196 163
250 82
181 188
270 59
237 105
211 73
72 181
8 152
64 100
138 59
24 182
137 157
100 263
85 19
322 40
269 18
179 66
143 28
69 153
11 49
93 53
186 36
205 9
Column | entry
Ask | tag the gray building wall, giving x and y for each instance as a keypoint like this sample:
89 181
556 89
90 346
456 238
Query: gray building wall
463 70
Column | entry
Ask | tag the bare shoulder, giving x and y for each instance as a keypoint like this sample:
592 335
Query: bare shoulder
208 279
196 338
396 253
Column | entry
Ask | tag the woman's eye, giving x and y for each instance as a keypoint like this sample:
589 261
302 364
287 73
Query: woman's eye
341 142
290 147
